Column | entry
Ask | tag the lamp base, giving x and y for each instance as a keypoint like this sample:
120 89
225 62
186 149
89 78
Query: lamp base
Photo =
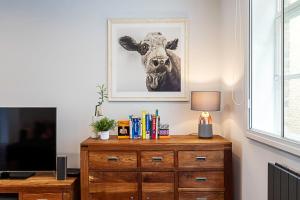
205 131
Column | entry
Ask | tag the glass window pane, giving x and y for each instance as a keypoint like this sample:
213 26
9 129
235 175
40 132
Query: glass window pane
292 44
292 109
292 75
289 2
266 62
266 69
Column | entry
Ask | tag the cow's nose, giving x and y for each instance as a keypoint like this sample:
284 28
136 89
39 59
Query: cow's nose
155 63
161 69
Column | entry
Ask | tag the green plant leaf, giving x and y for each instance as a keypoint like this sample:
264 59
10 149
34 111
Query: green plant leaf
105 124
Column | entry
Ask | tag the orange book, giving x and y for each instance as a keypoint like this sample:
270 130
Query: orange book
123 129
164 137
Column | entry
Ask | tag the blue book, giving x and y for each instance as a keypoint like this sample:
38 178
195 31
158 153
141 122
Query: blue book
148 126
135 128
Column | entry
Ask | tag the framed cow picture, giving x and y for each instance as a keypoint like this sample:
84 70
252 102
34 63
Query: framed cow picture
147 60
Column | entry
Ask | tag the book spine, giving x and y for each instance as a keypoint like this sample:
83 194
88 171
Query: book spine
140 127
135 128
153 135
144 125
132 120
157 126
130 127
148 126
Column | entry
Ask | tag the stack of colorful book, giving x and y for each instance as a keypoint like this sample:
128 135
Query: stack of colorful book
145 127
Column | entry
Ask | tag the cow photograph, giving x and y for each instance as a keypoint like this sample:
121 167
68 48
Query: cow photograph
147 60
162 67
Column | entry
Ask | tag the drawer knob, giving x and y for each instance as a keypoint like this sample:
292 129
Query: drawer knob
131 197
201 158
147 198
157 158
42 199
91 178
200 179
112 158
201 198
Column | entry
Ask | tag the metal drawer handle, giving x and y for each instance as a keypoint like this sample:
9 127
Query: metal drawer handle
91 178
201 179
112 158
42 199
131 197
158 159
200 158
201 198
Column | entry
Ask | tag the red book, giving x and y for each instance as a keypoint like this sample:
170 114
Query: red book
153 131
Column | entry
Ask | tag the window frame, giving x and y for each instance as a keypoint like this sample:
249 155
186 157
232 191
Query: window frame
279 142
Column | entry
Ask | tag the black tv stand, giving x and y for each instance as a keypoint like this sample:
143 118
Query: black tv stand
16 175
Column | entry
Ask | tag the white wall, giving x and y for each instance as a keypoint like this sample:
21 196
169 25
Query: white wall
250 158
53 53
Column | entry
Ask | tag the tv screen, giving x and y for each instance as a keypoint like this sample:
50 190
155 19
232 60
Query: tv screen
27 139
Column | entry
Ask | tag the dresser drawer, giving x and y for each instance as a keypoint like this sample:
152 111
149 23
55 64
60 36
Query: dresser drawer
211 180
112 160
157 159
158 185
114 196
201 196
113 183
42 196
201 159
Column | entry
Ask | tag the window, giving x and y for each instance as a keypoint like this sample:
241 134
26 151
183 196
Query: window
274 75
292 70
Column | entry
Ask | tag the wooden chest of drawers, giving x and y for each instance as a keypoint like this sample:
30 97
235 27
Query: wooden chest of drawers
180 168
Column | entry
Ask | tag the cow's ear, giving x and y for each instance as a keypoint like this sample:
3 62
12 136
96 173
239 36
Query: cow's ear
172 45
128 43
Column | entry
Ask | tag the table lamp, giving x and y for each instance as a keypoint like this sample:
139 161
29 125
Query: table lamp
205 101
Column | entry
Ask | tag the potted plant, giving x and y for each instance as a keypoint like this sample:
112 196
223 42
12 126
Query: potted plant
102 127
102 91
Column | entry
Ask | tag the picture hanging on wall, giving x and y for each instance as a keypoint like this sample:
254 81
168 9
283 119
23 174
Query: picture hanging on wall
147 60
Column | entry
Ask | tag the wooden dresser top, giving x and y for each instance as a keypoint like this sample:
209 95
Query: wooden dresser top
37 182
175 140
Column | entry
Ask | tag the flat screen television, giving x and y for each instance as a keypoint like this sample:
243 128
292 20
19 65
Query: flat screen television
27 139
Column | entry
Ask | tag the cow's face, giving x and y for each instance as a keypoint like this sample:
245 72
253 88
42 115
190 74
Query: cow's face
155 58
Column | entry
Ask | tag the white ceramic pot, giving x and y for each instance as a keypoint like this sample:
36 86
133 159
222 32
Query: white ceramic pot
104 135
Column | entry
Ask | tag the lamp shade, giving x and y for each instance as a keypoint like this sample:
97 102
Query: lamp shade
205 100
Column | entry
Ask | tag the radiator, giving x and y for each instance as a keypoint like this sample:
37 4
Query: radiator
283 183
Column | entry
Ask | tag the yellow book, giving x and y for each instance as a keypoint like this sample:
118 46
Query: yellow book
144 125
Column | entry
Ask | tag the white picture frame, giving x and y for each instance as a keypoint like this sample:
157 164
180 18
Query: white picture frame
148 60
